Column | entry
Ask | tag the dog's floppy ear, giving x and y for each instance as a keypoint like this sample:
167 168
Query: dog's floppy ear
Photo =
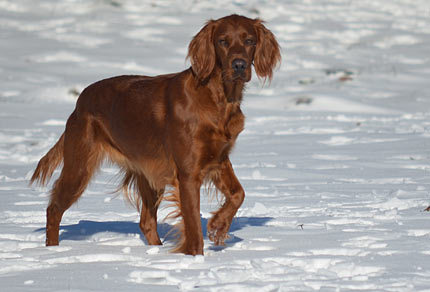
267 53
201 51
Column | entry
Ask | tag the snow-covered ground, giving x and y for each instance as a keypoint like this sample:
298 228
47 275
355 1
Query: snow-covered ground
335 158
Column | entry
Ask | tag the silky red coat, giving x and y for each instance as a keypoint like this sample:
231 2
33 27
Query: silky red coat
176 129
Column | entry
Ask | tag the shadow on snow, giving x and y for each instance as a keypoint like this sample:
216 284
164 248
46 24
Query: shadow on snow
86 228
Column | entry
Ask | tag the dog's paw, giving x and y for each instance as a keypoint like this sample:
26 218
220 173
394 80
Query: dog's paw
217 231
217 238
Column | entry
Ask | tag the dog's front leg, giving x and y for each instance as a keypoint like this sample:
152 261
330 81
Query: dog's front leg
189 194
229 185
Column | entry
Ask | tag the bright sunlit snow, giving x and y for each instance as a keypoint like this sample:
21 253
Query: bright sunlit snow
335 157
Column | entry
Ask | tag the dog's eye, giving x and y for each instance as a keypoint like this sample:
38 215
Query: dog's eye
249 42
223 42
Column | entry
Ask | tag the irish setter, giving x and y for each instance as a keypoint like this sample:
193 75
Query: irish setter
170 130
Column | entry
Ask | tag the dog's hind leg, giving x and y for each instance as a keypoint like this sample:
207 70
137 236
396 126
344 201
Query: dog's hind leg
138 191
81 158
148 214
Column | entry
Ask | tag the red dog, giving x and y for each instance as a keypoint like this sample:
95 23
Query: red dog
175 129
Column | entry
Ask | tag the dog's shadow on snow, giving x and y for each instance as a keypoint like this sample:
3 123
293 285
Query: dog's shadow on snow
86 228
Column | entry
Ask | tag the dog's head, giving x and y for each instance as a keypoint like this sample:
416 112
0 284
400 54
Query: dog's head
233 43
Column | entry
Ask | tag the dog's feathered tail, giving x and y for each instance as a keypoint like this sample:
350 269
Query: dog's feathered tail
49 163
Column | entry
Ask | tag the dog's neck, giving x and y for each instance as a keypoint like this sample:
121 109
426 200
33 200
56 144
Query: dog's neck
233 90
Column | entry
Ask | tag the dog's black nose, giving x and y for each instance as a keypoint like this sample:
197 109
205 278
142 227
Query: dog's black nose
239 65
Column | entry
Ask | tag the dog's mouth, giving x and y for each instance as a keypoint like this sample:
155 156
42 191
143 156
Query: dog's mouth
243 76
232 76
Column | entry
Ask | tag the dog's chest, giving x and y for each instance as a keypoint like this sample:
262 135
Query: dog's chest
217 137
230 125
234 122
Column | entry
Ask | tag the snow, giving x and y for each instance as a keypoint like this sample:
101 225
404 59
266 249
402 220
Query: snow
334 159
